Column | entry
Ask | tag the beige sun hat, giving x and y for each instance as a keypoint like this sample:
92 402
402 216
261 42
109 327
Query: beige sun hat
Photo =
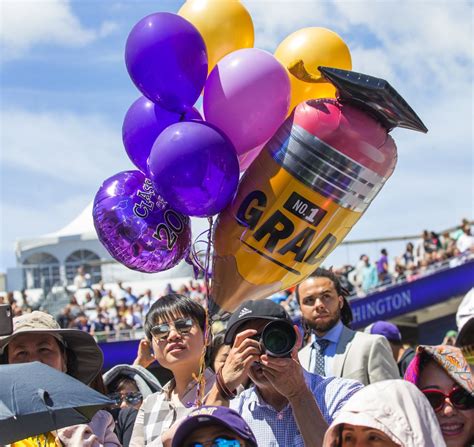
85 358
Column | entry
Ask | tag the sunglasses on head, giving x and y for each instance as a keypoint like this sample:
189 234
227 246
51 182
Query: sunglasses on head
458 397
129 398
162 330
220 441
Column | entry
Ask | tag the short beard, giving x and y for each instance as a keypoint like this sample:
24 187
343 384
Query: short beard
324 327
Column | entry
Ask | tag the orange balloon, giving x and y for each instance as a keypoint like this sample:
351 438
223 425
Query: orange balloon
303 52
225 26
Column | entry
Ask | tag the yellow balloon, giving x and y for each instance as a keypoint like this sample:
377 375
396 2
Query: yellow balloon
303 52
225 26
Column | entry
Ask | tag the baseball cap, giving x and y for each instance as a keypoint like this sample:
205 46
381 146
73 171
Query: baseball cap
87 357
253 310
388 330
207 415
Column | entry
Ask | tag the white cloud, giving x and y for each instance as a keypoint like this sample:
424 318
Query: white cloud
26 23
73 148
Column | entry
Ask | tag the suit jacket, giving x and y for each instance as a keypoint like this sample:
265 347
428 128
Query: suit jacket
359 356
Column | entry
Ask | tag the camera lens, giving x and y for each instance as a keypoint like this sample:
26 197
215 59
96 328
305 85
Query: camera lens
278 338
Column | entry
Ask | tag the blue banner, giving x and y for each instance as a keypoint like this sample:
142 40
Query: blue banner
408 297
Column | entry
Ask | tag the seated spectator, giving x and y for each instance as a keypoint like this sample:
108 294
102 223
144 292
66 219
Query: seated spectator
408 256
286 405
129 385
214 426
107 301
175 328
403 356
465 242
38 337
369 275
443 375
390 413
382 266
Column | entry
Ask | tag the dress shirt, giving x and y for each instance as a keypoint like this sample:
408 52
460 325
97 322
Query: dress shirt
278 428
333 337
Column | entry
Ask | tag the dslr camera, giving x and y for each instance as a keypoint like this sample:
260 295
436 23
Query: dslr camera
277 339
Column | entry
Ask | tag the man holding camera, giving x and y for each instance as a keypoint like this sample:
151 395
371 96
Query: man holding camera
286 406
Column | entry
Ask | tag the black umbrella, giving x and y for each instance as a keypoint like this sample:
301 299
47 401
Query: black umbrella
35 399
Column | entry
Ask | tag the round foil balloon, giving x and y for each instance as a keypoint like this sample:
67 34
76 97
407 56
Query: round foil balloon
302 52
298 200
137 227
194 167
225 26
143 123
167 60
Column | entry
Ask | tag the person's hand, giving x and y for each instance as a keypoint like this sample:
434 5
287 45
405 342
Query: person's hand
145 356
243 353
285 374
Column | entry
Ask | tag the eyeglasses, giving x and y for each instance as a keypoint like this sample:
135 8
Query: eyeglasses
221 441
162 331
130 398
458 397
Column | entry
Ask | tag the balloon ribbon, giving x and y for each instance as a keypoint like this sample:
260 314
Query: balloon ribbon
299 71
201 379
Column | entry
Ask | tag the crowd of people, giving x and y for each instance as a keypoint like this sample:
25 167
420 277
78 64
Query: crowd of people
261 381
117 311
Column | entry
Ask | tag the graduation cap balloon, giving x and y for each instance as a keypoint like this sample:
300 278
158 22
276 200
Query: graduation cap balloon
308 187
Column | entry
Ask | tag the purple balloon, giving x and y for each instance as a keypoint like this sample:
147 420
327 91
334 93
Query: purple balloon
194 167
137 227
143 123
167 60
247 96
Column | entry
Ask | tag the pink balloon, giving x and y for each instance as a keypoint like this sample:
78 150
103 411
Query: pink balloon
247 96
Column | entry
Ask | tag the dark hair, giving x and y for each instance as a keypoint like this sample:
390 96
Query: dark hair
346 312
216 344
119 382
169 307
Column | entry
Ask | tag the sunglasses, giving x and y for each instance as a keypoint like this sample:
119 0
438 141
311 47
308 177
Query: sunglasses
221 441
129 398
458 397
182 326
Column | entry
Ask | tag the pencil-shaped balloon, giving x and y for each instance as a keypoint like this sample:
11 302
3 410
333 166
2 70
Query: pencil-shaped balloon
308 187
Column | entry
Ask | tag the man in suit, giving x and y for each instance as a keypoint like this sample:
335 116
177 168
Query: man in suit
332 348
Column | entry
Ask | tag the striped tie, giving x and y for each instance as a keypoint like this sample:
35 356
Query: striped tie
320 346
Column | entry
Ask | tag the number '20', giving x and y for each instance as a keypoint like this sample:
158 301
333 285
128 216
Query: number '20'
174 226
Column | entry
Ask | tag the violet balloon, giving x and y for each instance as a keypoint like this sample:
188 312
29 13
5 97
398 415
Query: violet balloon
247 96
167 60
143 123
137 227
193 165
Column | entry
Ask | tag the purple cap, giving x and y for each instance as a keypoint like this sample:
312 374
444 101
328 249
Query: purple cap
388 330
206 415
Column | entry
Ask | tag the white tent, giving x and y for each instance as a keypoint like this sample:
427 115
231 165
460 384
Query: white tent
58 255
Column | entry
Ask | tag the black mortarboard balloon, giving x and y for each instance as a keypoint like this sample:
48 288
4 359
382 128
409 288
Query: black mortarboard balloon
375 96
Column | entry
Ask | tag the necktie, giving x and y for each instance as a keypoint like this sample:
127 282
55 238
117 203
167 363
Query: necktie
320 346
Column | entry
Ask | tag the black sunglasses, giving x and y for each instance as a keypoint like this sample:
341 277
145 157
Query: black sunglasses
458 397
131 398
162 330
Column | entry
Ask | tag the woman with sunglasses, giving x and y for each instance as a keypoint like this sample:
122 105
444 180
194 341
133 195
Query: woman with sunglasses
444 377
174 326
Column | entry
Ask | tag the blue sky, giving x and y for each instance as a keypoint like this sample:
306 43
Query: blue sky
65 90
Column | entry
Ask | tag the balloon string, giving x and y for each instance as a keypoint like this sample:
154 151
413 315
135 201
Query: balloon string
201 379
